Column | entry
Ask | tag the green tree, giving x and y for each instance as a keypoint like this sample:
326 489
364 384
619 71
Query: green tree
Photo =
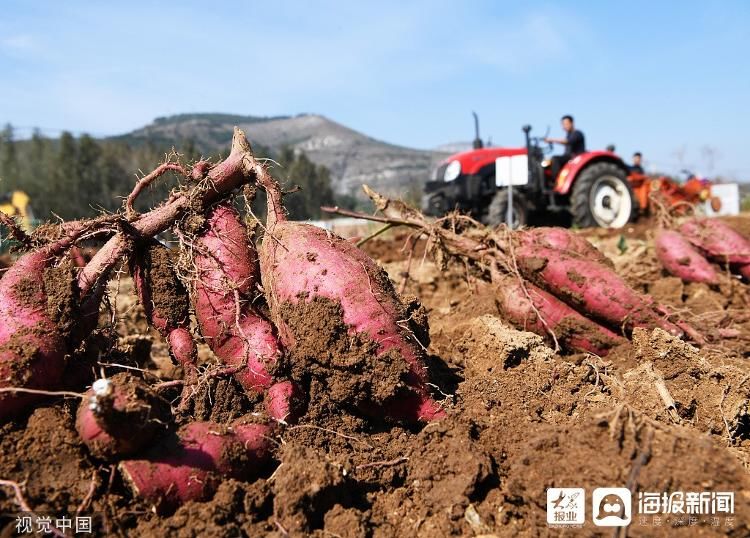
9 159
189 151
88 174
73 177
313 182
111 176
63 190
37 167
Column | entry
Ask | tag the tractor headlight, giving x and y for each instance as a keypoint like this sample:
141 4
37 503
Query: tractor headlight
452 171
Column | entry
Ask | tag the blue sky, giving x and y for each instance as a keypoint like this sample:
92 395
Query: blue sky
671 79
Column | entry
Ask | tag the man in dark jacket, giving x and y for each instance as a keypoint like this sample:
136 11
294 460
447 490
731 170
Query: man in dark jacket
574 142
636 167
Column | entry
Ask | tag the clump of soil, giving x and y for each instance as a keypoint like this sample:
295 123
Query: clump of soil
62 296
306 486
54 465
675 384
494 345
236 510
341 369
669 290
701 299
167 294
217 399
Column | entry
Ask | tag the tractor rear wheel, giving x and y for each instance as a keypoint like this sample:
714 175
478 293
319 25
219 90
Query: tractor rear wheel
497 211
602 197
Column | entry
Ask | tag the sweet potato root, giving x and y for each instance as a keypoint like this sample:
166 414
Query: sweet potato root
301 263
89 307
564 240
284 402
238 169
681 259
590 287
189 466
165 301
226 279
573 331
718 240
119 416
36 328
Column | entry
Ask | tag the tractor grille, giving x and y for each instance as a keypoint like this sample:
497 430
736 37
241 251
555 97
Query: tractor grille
433 205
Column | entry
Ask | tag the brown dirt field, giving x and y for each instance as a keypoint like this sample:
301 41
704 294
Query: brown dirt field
656 415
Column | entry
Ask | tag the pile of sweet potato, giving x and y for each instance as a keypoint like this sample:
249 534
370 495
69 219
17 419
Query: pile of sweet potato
547 280
240 293
699 247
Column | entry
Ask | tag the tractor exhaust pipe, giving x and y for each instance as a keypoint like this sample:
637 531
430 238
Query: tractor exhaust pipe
477 144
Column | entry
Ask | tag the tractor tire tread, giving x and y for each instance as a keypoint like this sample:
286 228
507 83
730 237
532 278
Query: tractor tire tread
579 196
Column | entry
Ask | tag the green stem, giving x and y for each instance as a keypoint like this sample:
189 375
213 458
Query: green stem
375 234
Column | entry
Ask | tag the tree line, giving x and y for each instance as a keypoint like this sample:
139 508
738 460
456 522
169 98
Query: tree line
74 177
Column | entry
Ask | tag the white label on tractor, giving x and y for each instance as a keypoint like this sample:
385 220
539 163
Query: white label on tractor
512 170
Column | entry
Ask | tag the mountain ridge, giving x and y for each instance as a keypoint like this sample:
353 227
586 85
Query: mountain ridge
353 158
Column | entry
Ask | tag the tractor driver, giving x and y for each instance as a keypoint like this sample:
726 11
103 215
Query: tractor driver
574 143
637 166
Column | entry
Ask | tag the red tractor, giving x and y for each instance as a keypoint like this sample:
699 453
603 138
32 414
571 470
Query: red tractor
497 184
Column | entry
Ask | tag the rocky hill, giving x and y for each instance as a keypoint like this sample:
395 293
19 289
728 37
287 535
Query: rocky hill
352 157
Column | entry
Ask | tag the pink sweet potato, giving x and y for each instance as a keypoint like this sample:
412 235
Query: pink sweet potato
573 331
165 301
301 263
591 288
32 343
284 402
225 284
190 466
562 239
119 416
77 257
227 271
718 240
681 259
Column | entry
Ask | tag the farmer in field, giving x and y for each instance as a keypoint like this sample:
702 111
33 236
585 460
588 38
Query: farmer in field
574 143
637 167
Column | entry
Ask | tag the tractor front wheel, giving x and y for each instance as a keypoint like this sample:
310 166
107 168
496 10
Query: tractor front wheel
602 197
497 211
